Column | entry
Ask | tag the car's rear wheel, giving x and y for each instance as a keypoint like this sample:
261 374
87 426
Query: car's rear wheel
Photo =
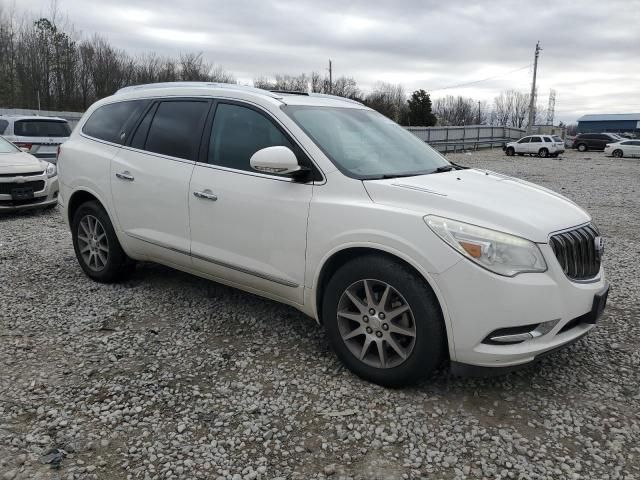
96 245
543 152
582 147
383 321
618 153
510 151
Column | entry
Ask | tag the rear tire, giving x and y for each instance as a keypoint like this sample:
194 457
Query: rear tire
582 147
382 345
543 153
510 151
618 153
96 245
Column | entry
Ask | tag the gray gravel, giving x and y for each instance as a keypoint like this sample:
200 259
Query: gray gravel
170 376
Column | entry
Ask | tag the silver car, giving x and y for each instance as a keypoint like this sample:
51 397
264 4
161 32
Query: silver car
25 181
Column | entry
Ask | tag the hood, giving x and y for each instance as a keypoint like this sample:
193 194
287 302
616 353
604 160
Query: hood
20 162
482 198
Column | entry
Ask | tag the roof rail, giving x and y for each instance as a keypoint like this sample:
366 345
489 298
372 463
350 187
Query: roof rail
290 92
336 97
228 86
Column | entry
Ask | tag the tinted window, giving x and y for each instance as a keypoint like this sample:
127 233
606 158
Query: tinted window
525 140
3 126
41 128
536 140
176 128
627 143
239 132
110 122
140 137
557 138
547 139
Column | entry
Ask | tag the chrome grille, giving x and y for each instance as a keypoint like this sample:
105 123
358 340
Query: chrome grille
577 253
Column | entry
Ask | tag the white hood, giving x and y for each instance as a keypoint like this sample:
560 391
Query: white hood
482 198
20 162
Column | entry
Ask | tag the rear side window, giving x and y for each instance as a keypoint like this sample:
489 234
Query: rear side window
41 128
536 140
239 132
111 122
176 128
3 126
557 138
547 139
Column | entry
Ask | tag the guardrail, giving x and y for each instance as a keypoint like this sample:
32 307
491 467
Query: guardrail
471 137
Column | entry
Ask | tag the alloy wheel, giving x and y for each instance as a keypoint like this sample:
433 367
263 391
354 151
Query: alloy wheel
376 323
93 243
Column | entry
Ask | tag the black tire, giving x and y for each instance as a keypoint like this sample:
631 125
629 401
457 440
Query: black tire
543 153
117 265
582 147
429 344
618 153
510 151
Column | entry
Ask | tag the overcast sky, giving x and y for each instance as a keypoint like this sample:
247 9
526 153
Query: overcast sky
590 56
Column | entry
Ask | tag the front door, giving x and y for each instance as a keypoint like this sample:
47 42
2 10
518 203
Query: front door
248 228
150 179
535 145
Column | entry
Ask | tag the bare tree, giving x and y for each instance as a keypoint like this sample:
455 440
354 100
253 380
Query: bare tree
451 110
390 100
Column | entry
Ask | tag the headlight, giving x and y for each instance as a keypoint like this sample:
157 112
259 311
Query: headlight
498 252
52 170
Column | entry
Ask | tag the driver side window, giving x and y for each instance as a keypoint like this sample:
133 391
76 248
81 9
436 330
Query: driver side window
525 140
237 133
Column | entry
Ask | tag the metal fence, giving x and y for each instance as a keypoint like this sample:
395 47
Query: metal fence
471 137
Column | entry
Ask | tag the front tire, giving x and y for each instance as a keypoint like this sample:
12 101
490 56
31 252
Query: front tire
96 245
383 321
618 153
510 151
582 147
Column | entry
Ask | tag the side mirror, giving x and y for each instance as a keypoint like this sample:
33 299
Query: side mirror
278 160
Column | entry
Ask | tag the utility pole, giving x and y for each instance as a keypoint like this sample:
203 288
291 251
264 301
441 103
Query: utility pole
479 120
532 101
330 77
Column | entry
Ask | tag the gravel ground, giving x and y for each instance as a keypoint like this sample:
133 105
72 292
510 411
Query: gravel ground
171 376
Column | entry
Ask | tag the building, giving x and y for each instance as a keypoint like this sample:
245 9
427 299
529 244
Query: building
614 123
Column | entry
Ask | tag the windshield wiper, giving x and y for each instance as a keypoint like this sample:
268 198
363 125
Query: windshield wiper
444 168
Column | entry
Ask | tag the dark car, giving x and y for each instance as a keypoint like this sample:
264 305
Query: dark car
593 141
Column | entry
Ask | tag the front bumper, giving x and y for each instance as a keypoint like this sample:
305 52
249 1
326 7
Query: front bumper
41 199
479 302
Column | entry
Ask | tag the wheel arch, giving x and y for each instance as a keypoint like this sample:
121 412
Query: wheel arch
79 197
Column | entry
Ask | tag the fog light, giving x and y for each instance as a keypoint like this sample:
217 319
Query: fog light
513 335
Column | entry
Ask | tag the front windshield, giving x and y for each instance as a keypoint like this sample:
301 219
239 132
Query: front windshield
365 144
7 147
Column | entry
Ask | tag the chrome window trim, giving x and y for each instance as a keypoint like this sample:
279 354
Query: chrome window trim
230 266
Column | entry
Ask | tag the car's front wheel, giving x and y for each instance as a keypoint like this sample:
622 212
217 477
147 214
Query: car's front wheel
617 153
510 151
96 245
383 321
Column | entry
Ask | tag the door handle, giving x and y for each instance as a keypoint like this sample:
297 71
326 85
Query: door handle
206 194
126 175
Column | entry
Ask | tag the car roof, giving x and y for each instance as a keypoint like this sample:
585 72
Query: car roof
231 91
31 117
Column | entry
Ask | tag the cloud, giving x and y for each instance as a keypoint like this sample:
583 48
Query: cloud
590 48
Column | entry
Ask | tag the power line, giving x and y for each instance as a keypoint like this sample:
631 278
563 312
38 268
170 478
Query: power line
479 81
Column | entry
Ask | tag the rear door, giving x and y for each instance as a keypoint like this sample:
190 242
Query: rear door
247 227
535 145
150 179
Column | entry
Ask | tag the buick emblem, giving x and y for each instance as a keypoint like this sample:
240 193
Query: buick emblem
599 244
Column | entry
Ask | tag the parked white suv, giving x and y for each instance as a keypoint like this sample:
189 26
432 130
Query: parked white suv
539 145
39 136
322 203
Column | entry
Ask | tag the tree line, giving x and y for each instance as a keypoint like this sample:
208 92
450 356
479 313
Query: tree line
46 64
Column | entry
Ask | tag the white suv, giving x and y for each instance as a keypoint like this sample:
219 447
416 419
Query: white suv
322 203
39 136
539 145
